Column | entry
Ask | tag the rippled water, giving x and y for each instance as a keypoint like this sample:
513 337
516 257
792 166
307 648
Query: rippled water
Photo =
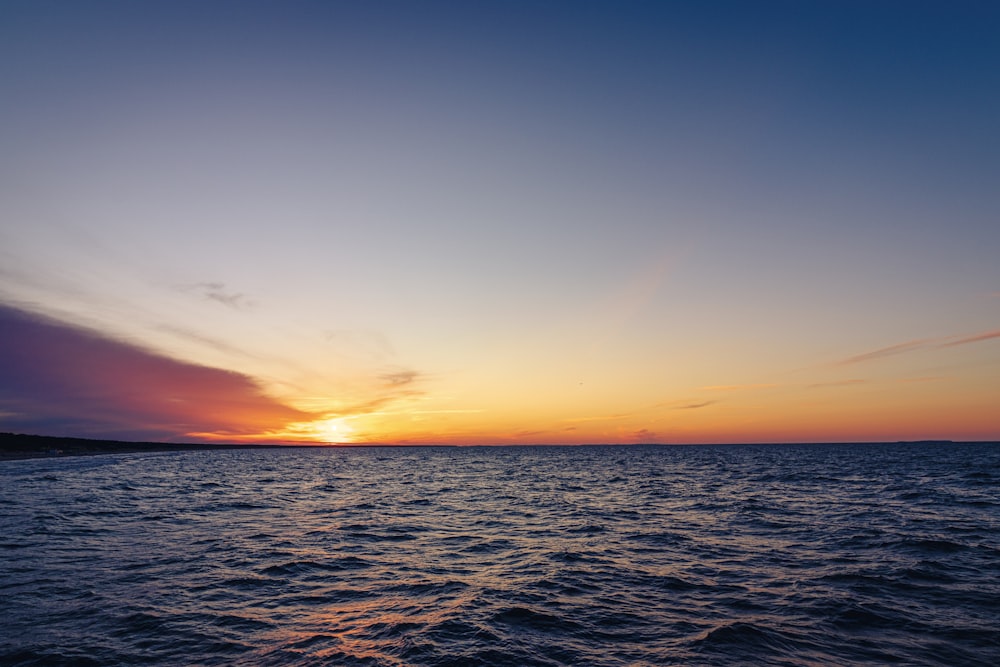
755 555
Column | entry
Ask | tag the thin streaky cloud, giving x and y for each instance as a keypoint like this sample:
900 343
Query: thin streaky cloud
371 344
394 413
208 341
577 420
737 387
400 377
645 435
374 405
684 405
695 406
976 338
920 344
898 348
837 383
636 295
218 292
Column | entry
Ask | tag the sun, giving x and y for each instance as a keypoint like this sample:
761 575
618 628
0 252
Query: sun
331 430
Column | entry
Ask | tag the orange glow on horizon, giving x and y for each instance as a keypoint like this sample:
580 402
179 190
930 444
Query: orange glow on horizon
836 411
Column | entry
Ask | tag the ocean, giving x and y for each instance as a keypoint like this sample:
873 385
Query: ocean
796 555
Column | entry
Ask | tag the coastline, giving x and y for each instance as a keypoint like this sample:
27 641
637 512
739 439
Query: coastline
17 446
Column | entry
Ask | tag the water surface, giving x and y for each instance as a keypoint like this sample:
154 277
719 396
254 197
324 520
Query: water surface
740 555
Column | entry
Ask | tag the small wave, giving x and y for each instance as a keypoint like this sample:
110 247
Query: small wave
453 630
43 657
488 547
576 557
365 536
933 546
528 619
428 588
587 529
17 545
742 638
859 617
246 583
661 539
300 567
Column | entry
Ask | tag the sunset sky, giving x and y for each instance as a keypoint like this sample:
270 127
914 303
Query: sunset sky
500 222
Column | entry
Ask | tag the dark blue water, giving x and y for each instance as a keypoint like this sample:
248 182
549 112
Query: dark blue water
754 555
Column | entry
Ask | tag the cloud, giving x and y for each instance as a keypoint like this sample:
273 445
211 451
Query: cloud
694 406
399 378
61 379
898 348
368 344
603 418
217 292
920 344
631 299
928 378
977 338
214 343
737 387
644 435
837 383
685 405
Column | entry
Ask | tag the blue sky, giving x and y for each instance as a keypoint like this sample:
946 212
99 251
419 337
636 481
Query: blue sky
556 219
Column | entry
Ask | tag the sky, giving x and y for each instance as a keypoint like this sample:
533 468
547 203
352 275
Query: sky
500 222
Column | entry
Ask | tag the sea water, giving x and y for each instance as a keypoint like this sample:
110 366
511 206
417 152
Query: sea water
725 555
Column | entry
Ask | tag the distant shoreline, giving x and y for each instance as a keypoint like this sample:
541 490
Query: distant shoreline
18 446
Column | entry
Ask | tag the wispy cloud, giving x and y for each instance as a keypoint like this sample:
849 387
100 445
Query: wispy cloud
208 341
219 293
399 378
837 383
369 344
685 405
737 387
371 406
929 378
632 298
695 406
62 379
920 344
644 435
976 338
601 418
888 351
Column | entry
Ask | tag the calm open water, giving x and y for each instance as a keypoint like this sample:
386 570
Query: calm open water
749 555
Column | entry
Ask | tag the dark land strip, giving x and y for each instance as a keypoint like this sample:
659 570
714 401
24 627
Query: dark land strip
19 446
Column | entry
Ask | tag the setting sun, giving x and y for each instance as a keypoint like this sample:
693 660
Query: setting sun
331 431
